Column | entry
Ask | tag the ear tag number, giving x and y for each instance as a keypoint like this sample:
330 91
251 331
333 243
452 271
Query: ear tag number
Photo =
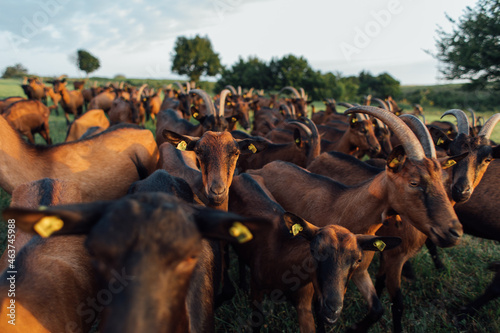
296 228
380 245
48 225
182 145
240 232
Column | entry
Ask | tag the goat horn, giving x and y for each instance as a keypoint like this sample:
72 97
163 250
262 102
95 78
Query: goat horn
206 99
25 80
423 118
347 105
292 89
249 93
462 120
120 86
409 141
232 89
141 89
473 117
380 123
312 126
422 134
301 125
382 103
239 90
292 107
60 77
286 109
302 93
188 87
489 125
222 101
181 88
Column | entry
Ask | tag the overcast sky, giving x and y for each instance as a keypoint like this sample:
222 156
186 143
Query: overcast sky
136 37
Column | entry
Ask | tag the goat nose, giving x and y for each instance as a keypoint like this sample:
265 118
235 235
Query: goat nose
217 189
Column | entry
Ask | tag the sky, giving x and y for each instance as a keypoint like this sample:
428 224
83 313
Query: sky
136 38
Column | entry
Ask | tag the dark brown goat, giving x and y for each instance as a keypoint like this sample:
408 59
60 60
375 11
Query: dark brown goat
104 100
29 117
178 100
6 102
153 256
360 208
34 89
326 257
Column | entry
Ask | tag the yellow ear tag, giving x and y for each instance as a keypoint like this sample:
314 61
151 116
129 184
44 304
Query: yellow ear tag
240 232
233 119
296 228
182 145
380 245
449 163
297 141
195 114
354 120
393 163
449 132
48 225
440 141
252 148
42 207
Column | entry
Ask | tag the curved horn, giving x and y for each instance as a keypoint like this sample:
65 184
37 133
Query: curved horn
206 99
473 117
462 120
181 88
188 87
292 107
292 89
25 80
230 87
302 93
381 103
312 126
121 85
410 143
286 109
306 129
346 105
422 133
222 101
139 93
489 125
250 92
239 90
380 123
61 77
423 118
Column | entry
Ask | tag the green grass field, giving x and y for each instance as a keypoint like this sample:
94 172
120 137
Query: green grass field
430 302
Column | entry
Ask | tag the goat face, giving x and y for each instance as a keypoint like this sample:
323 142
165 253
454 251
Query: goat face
336 254
145 247
363 135
416 192
217 153
59 85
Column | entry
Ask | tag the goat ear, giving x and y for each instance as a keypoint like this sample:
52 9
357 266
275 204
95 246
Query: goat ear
396 159
439 138
251 146
299 226
233 119
60 220
495 152
297 138
177 140
449 161
353 121
216 224
377 243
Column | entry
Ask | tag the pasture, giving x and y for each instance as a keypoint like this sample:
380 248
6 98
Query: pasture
430 301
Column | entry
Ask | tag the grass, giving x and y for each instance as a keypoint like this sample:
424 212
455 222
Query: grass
430 301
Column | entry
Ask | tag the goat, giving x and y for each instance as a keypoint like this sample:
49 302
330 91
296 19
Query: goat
104 100
89 119
125 111
167 240
56 98
212 121
6 102
180 101
299 101
104 165
29 117
34 89
152 104
71 101
410 177
90 93
327 256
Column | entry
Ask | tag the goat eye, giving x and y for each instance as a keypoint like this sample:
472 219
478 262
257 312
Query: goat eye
413 183
487 160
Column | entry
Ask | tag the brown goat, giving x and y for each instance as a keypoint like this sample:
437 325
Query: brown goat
71 101
6 102
29 117
104 100
104 165
87 120
326 257
152 294
34 88
409 173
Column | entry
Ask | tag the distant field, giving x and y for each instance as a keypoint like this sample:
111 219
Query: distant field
430 302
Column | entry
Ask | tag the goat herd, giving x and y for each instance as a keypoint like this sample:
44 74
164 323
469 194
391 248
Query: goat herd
141 224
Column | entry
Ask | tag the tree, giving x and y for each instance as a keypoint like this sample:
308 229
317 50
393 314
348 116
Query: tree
471 50
250 73
17 70
380 86
194 57
86 61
